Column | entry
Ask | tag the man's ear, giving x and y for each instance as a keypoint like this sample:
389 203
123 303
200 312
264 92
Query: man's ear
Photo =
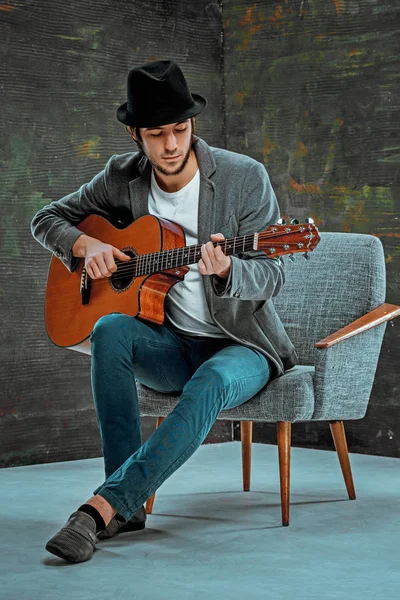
132 133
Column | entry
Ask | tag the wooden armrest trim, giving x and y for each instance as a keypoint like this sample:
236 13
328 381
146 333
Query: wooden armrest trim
375 317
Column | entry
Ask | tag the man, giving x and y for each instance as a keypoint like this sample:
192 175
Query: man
221 341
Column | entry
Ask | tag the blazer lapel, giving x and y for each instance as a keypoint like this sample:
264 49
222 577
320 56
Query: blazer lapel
139 190
206 216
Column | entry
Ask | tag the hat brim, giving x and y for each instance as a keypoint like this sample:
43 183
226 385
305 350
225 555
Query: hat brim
153 120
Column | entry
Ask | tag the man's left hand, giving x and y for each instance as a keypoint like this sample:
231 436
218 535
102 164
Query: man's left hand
213 261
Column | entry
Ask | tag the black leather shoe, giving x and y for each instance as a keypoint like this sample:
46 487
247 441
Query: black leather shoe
115 527
76 541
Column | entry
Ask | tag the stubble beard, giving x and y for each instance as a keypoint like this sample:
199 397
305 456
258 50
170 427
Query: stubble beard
178 170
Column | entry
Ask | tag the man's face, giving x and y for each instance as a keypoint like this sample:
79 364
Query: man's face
168 146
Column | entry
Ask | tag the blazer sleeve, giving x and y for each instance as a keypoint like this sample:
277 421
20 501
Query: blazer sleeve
253 275
54 225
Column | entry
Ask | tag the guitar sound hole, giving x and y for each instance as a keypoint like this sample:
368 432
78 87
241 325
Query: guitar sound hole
123 277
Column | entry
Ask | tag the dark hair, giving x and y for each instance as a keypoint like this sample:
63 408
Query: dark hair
137 138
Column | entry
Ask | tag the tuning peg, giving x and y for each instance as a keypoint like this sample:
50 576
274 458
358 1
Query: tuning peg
291 257
294 222
281 222
309 220
306 255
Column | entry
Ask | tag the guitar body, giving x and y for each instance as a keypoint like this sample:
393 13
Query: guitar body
69 320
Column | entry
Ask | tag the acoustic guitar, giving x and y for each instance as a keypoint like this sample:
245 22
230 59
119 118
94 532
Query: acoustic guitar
159 259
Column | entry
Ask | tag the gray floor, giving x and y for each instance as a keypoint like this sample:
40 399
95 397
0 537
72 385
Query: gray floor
208 539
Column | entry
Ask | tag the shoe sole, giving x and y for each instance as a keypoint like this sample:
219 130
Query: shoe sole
57 552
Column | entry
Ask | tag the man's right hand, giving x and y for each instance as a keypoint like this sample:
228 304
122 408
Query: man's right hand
99 257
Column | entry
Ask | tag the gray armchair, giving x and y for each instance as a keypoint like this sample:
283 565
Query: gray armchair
333 308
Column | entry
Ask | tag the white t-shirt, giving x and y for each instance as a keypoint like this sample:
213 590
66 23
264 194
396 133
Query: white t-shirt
185 305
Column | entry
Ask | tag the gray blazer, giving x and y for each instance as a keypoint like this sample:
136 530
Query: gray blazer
236 198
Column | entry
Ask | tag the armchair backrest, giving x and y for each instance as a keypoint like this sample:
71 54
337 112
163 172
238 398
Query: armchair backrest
344 278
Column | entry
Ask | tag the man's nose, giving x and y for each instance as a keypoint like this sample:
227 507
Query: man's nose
170 142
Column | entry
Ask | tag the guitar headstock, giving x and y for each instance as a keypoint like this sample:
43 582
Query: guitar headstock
284 238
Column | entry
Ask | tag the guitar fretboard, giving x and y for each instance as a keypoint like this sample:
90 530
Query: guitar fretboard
147 264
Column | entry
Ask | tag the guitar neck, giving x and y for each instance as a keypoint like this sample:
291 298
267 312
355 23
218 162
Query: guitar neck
147 264
274 241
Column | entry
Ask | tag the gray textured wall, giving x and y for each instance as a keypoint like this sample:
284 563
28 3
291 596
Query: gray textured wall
312 91
65 69
309 88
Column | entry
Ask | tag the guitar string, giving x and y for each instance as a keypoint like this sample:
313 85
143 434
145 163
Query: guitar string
149 259
128 268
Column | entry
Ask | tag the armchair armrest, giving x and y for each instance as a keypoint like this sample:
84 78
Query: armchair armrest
381 314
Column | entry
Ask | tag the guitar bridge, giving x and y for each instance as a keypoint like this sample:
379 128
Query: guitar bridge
86 286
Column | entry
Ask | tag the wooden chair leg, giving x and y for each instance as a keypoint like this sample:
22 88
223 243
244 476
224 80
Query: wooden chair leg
284 429
150 501
246 436
339 438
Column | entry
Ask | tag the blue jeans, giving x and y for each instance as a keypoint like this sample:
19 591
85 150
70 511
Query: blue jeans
211 374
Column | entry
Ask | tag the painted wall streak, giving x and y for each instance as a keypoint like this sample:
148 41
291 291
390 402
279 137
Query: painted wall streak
65 66
312 91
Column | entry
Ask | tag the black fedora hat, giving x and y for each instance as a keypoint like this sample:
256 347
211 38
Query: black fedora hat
158 95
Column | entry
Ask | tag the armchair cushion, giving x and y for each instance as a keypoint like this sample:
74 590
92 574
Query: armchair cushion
287 398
